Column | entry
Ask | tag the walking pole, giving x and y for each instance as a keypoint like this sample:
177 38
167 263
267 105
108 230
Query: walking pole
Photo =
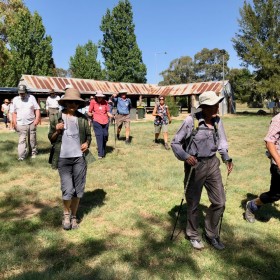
221 219
115 130
179 211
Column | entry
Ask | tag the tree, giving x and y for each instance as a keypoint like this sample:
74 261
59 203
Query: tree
60 72
84 63
123 59
180 71
258 44
208 64
30 50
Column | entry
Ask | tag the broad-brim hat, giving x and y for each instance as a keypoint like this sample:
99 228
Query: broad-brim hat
21 89
209 98
72 94
51 91
99 94
122 91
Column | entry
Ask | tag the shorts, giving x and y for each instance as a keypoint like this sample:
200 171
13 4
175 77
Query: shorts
123 119
72 172
161 127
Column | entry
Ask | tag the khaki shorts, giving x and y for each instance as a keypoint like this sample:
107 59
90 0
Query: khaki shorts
123 119
162 127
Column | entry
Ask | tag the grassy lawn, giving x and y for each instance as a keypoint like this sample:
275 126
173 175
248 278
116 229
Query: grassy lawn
128 213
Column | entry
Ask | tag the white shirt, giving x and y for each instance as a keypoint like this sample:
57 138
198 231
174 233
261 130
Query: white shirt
6 109
52 102
25 109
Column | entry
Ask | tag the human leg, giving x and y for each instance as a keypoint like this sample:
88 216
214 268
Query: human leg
157 132
33 139
105 131
97 127
127 128
22 146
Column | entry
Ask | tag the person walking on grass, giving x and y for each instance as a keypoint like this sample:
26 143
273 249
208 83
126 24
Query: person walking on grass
5 108
100 112
123 113
70 134
197 145
26 117
272 141
162 119
52 106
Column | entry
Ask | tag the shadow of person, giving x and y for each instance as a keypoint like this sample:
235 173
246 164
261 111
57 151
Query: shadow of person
109 149
91 200
265 213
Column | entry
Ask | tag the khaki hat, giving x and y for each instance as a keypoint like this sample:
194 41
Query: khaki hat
21 89
209 98
72 94
99 94
51 91
123 91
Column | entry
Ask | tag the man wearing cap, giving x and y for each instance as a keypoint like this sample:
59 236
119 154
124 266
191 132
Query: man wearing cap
52 106
26 116
197 147
123 113
5 110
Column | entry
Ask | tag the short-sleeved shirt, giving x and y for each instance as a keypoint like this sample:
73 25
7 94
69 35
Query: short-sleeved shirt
273 134
52 102
99 111
5 109
123 105
25 109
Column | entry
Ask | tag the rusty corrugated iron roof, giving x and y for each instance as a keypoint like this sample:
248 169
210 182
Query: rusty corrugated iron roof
43 84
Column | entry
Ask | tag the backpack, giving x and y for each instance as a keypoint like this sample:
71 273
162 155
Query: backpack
195 129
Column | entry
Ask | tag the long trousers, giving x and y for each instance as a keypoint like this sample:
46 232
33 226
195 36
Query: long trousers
274 192
206 173
101 134
24 132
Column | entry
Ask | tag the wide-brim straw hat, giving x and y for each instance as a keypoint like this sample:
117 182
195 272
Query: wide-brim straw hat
99 94
122 91
209 98
72 94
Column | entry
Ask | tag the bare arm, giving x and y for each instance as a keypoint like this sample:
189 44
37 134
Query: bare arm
273 152
37 117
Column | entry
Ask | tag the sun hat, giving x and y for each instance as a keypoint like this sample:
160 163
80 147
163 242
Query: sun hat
209 98
99 94
123 91
51 91
72 94
21 89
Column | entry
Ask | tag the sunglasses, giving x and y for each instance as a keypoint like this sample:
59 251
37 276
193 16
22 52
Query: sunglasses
161 99
73 102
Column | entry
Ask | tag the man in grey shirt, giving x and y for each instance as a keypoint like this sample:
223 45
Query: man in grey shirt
197 147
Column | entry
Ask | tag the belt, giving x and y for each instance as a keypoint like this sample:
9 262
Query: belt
204 158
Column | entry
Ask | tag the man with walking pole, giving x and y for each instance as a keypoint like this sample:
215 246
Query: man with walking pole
198 139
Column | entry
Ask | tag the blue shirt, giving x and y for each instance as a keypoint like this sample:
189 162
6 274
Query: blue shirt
123 105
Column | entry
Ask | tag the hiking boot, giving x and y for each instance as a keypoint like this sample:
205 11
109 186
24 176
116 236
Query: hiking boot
118 136
156 141
127 141
249 213
215 242
166 146
74 222
66 223
197 244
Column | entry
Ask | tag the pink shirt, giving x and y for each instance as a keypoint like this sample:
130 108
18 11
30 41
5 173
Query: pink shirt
273 134
99 111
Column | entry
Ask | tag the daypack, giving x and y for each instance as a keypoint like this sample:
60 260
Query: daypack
195 129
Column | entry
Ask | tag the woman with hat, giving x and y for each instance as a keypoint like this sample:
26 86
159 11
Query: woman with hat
198 139
5 110
99 109
70 135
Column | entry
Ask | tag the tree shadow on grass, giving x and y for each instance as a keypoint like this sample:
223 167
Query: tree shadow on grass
265 213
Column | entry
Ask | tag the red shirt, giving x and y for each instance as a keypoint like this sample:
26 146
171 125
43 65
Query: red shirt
99 111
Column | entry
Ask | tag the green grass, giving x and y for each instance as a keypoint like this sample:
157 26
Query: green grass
128 213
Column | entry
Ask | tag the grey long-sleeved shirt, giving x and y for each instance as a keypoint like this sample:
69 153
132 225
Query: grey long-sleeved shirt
204 143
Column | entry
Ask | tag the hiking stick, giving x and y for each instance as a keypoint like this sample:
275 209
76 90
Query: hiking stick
115 130
221 219
179 211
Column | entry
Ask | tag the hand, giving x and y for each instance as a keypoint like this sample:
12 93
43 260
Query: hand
89 114
36 122
59 127
170 121
191 161
84 147
229 166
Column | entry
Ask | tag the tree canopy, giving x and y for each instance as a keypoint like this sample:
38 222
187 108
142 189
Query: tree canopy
84 63
123 58
257 43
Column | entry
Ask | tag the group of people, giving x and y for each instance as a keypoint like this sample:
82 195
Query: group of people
7 111
196 143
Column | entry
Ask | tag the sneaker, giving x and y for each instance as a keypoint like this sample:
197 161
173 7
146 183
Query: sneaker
118 136
100 157
66 223
166 146
215 242
249 214
33 156
74 222
20 159
197 244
